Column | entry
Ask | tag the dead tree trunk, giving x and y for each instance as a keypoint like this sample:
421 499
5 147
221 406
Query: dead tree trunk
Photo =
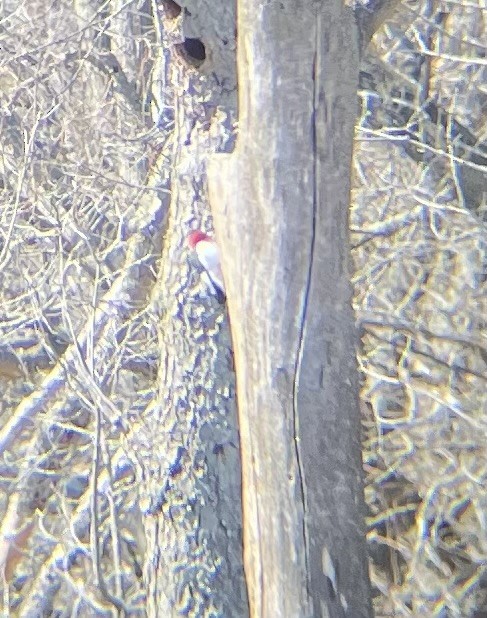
280 203
189 447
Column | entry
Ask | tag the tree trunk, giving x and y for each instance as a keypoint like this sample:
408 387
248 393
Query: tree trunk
189 449
280 204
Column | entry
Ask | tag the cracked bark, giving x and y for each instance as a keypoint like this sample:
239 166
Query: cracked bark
280 204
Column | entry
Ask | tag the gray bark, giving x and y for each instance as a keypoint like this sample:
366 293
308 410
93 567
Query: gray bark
189 450
280 203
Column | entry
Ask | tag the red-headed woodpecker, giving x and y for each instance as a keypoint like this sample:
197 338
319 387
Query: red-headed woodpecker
208 255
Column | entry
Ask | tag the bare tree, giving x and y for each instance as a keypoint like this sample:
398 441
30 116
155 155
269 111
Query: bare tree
281 223
121 451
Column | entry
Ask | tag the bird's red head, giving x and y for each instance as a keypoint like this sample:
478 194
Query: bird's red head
195 237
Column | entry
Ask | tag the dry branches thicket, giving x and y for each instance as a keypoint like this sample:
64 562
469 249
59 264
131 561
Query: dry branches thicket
80 223
420 244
